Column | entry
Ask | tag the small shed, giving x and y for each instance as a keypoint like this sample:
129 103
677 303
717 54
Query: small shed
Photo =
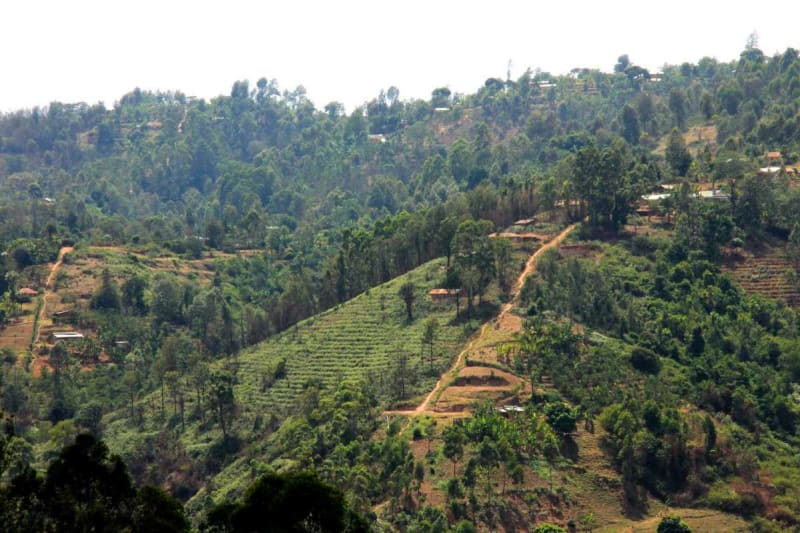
67 336
27 292
123 346
442 295
769 170
64 317
714 194
510 410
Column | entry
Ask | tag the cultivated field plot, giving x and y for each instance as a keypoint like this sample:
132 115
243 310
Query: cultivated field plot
766 272
361 338
82 270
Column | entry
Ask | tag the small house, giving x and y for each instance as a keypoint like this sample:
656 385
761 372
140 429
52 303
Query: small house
656 197
66 336
714 194
442 295
66 316
769 170
27 292
123 346
509 411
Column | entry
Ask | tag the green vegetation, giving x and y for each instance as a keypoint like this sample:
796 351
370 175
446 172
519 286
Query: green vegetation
84 489
251 278
718 351
365 337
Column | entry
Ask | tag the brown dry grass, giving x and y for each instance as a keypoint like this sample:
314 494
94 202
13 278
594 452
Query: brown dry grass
695 138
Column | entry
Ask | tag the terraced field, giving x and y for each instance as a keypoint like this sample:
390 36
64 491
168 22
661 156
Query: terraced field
362 337
766 273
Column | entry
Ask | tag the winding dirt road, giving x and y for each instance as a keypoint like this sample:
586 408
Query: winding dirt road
442 383
48 287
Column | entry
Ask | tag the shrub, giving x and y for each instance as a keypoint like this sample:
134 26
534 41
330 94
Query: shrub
673 524
645 360
548 528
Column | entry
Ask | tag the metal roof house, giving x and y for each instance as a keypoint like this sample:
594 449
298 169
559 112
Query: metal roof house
58 336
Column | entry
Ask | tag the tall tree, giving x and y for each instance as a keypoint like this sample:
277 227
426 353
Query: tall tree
221 399
429 336
88 490
474 256
107 295
406 292
677 104
677 154
288 502
630 125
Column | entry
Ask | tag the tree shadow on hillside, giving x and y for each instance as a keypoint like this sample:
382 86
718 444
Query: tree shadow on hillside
480 313
569 448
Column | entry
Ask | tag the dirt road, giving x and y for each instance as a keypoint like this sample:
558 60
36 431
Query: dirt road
48 286
504 315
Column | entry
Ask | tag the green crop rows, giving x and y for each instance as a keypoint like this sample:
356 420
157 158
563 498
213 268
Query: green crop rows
360 338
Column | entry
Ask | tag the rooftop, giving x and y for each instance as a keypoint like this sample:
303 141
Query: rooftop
769 170
67 335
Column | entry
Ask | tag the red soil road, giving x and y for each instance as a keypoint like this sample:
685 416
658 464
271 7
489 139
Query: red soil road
505 313
48 286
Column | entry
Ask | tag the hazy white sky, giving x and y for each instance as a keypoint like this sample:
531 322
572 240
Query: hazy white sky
348 50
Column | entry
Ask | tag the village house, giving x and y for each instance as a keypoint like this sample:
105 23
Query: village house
26 293
68 336
67 316
442 295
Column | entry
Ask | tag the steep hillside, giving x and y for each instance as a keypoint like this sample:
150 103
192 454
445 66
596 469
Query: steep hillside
368 337
248 280
765 271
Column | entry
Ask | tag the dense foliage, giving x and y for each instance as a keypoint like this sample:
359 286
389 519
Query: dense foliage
292 211
724 353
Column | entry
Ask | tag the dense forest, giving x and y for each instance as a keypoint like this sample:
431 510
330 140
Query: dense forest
250 278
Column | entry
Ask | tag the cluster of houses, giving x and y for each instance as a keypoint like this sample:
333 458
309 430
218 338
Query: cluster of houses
774 167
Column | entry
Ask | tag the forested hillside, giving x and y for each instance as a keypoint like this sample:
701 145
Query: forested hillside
248 280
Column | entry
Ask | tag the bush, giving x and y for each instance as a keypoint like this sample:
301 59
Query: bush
723 498
548 528
673 524
645 360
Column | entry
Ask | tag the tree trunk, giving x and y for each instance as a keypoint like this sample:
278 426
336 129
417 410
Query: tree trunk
183 410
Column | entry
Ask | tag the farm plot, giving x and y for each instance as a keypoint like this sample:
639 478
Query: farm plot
767 273
363 337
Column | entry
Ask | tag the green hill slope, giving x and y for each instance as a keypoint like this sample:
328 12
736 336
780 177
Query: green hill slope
365 337
362 337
